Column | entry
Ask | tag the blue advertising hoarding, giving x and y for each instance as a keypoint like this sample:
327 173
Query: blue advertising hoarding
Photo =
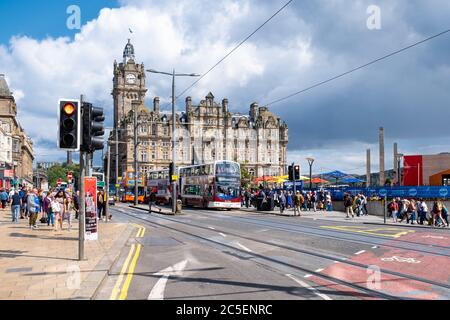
391 192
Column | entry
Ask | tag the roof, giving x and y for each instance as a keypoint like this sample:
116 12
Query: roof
4 89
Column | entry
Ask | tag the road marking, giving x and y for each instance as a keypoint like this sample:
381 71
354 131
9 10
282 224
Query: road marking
374 247
360 252
244 247
116 289
158 289
223 235
307 286
401 259
319 270
383 232
433 237
126 285
308 276
336 261
212 228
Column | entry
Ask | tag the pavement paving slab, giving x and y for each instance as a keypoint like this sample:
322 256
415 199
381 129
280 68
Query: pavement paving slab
43 264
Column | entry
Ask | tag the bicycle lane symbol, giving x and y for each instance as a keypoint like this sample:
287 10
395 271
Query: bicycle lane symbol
401 259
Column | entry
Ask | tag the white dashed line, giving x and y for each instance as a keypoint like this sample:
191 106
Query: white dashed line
374 247
243 247
212 228
319 270
308 276
360 252
222 234
307 286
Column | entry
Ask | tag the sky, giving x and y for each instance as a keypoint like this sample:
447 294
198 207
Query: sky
308 42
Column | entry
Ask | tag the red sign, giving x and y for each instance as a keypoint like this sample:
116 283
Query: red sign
59 182
91 225
69 176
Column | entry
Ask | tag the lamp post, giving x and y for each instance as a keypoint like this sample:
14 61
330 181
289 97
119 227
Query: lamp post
310 162
174 183
108 165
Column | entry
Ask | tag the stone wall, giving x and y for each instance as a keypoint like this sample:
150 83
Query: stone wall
376 207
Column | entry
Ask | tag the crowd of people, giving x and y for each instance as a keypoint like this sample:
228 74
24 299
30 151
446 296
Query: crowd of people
267 199
53 207
417 211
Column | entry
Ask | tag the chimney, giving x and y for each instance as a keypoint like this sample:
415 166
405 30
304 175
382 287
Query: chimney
188 104
156 104
382 177
225 105
368 171
254 111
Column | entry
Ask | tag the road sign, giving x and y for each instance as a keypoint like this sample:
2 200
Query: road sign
59 182
174 178
69 175
100 184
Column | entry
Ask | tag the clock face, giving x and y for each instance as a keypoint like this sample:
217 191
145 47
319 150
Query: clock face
131 79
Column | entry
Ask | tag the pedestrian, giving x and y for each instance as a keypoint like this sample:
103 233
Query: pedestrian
445 214
393 207
4 198
297 203
69 212
58 208
364 204
412 211
289 202
33 208
48 209
348 204
329 202
358 205
100 204
16 204
282 199
247 195
76 203
422 211
314 201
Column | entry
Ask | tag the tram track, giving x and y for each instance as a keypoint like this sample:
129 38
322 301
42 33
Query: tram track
360 289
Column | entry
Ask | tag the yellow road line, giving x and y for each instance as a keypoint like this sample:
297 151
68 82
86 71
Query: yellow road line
372 231
116 289
143 232
126 285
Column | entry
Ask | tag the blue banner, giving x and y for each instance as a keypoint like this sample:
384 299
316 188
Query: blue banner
391 192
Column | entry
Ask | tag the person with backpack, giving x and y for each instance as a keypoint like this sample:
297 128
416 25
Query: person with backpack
358 205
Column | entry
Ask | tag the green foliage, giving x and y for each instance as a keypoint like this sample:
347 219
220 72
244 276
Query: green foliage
245 176
60 172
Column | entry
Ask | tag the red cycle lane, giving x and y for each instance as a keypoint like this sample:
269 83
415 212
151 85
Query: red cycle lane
406 261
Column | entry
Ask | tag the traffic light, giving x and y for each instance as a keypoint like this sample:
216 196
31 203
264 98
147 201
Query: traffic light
69 128
291 176
297 172
93 128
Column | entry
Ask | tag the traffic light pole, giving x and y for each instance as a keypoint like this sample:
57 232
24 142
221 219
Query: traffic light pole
293 175
82 205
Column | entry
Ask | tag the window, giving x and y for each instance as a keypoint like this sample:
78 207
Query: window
153 154
143 128
166 155
144 156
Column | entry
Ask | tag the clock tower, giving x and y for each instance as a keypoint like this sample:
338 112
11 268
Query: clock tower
128 84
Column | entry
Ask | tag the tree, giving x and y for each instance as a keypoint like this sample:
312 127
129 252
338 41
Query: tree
60 172
245 175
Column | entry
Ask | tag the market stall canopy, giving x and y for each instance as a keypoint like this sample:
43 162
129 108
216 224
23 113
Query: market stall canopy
318 180
336 174
351 180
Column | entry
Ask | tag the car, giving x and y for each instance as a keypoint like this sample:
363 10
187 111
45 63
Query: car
111 200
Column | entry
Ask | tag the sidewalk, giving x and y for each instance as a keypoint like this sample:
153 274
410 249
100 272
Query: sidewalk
144 207
339 216
43 264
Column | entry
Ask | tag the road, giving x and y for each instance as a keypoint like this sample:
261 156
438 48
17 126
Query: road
232 255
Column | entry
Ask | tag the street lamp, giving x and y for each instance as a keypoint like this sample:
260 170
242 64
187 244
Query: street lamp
310 162
174 183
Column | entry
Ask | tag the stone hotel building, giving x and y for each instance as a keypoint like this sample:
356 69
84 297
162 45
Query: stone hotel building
205 132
